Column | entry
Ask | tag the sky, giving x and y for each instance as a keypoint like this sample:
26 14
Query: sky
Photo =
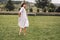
53 1
28 0
31 0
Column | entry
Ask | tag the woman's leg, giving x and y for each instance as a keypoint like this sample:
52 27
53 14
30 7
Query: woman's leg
20 30
25 31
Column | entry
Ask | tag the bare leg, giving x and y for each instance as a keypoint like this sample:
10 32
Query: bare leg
20 31
25 31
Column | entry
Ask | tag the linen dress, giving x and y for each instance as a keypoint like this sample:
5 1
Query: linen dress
23 19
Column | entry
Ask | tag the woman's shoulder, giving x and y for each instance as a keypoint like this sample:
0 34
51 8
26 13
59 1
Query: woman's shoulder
22 7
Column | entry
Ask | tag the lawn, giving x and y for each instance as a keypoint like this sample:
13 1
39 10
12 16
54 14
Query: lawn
41 28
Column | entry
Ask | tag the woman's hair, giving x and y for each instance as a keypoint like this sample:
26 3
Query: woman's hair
22 4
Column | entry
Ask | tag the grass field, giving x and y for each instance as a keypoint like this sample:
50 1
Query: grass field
41 28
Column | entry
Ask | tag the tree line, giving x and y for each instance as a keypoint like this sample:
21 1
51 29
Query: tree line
43 4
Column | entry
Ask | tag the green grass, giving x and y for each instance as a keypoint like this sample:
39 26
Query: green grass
41 28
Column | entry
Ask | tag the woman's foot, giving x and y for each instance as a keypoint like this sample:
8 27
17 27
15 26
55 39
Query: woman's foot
19 33
24 34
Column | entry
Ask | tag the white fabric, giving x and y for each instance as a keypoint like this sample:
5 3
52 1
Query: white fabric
23 19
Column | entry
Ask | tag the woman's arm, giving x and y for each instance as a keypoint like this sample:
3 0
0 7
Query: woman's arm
19 14
21 10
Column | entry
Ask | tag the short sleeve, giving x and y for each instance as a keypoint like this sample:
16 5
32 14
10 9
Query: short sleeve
21 10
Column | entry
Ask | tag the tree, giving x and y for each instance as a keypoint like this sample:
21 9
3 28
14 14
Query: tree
9 6
45 5
58 9
51 7
41 3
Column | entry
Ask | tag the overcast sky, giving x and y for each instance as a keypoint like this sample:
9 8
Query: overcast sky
53 1
27 0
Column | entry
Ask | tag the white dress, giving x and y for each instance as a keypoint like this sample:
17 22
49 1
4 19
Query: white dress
23 19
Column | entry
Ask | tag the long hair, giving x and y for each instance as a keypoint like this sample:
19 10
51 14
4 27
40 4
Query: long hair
23 4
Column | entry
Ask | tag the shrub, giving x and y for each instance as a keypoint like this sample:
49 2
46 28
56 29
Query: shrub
37 10
31 10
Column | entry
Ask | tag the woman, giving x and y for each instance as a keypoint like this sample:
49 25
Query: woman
23 19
